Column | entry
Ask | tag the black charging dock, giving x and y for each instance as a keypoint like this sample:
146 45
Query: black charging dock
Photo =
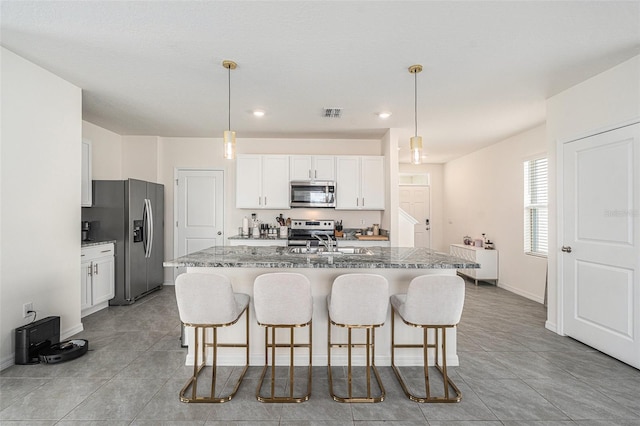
39 342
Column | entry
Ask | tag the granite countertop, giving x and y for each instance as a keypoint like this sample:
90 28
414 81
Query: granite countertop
279 257
346 237
249 237
96 243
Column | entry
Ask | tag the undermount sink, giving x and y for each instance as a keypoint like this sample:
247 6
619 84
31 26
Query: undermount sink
324 251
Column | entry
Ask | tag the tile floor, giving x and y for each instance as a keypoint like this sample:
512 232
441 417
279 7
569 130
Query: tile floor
512 372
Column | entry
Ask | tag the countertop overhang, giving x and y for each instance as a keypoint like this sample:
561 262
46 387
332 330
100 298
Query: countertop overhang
279 257
96 243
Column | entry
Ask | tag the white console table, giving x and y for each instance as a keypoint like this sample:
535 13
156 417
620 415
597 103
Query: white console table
488 260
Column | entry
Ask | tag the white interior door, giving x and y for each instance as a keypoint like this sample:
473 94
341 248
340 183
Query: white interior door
415 200
199 201
601 253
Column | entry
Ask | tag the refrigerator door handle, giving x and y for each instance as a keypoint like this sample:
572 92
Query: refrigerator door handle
150 209
145 227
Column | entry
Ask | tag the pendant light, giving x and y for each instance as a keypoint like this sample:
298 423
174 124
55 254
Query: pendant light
229 137
416 141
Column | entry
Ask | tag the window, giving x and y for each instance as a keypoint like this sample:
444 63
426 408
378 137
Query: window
536 217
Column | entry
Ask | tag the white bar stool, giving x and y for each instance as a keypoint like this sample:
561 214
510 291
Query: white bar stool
207 301
283 300
431 302
358 301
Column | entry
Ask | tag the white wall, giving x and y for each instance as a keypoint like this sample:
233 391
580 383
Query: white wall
390 219
106 152
140 158
608 99
40 186
484 193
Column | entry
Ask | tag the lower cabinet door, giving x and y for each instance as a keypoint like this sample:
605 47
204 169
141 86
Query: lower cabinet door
103 280
85 285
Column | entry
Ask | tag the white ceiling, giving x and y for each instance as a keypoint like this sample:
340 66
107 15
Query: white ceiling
154 67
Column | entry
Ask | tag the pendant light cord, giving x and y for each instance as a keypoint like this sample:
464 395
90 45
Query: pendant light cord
229 74
415 98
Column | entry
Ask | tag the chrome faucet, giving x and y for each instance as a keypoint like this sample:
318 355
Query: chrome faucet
328 244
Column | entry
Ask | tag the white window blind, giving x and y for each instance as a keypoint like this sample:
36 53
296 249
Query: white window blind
536 217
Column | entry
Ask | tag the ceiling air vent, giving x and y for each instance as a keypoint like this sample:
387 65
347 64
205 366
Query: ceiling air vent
333 112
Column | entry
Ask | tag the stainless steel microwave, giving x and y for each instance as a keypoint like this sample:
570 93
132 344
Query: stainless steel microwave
312 194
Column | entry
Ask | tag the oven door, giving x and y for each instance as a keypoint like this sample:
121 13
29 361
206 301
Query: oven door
312 194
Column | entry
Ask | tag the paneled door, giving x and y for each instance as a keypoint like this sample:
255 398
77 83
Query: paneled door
199 201
415 200
600 248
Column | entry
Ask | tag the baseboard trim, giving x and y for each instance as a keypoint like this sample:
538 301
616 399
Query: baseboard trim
522 293
65 334
8 361
94 309
551 326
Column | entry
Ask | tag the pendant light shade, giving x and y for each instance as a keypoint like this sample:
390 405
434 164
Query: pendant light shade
415 144
229 139
229 136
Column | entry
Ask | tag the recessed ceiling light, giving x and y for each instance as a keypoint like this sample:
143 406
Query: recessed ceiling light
384 114
258 113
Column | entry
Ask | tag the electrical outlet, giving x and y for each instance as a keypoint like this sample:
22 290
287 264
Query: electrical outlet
361 221
26 308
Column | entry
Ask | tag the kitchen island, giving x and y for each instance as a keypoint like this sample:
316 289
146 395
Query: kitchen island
242 264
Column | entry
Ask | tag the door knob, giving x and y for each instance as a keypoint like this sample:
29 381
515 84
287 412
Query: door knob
566 249
219 232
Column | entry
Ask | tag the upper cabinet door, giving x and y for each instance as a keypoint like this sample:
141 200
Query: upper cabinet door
360 183
348 183
248 181
262 182
372 186
275 182
300 167
324 167
87 198
312 167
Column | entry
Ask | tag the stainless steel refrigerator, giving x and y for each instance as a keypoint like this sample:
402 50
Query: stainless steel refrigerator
131 212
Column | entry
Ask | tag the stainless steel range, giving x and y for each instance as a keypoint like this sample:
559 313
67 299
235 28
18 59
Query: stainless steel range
309 232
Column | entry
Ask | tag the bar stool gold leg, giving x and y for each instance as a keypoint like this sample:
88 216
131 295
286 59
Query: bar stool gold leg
448 383
224 309
369 347
200 349
272 345
346 310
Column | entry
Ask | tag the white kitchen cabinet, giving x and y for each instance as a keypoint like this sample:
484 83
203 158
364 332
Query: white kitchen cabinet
86 272
312 167
262 182
488 260
86 198
360 182
97 277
